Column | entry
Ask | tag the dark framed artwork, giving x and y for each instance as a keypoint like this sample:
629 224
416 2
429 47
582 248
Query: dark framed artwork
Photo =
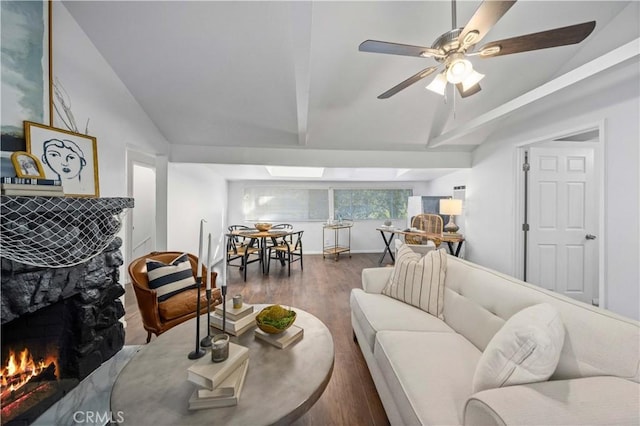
70 157
26 77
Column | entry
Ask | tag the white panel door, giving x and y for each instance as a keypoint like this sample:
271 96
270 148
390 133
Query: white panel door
563 218
144 212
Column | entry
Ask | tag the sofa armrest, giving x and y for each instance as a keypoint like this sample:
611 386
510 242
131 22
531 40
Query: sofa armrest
590 400
375 279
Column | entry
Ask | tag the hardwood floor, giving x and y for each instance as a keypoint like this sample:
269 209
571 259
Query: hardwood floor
322 289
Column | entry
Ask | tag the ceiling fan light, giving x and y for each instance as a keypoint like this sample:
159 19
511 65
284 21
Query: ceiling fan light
459 70
438 84
471 80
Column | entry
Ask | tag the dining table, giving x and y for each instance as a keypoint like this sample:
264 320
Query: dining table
262 237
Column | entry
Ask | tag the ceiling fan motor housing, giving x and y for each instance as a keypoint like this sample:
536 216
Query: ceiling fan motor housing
446 43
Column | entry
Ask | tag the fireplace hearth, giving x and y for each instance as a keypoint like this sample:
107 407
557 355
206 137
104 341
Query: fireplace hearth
58 325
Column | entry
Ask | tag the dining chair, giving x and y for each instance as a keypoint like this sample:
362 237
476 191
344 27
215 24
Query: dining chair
239 239
288 251
281 227
244 249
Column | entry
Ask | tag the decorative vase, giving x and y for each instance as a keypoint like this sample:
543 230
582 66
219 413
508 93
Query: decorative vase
387 222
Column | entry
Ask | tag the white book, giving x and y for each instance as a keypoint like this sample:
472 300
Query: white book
210 375
225 395
281 340
37 193
235 314
235 328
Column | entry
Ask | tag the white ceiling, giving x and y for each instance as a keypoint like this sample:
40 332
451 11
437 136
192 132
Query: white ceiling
288 75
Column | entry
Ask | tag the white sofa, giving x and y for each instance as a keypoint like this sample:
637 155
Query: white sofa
423 367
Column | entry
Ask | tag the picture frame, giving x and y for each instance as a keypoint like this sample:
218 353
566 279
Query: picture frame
70 157
27 165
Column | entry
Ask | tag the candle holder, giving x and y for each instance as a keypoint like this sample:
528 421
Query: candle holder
197 352
224 308
206 341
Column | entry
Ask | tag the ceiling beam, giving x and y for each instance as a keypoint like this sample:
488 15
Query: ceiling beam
301 13
615 57
318 157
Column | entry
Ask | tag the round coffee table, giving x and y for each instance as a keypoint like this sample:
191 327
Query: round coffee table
281 384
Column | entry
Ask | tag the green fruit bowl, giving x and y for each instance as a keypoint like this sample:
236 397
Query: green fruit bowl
275 319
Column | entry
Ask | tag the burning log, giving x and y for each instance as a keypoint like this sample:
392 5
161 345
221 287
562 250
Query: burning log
12 393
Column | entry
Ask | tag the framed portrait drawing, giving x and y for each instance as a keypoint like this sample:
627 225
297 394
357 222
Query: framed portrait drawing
27 165
70 157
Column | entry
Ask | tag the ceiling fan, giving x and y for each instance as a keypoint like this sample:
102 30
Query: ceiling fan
453 47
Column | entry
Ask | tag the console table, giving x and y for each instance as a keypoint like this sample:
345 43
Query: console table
281 384
436 238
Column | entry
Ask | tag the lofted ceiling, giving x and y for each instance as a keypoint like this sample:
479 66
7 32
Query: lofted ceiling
288 75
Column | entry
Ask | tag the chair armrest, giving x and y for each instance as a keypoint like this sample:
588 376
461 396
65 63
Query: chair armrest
590 400
148 304
375 279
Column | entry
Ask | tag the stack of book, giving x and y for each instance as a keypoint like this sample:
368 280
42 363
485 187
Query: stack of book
238 321
219 383
281 340
31 187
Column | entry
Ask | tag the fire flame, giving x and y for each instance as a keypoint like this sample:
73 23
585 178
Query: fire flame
21 368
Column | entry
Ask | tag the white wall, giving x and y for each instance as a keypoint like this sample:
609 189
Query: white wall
364 237
116 119
195 193
491 194
444 186
96 93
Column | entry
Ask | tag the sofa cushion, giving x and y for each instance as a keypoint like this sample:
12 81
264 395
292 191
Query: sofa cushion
170 279
417 248
428 374
419 280
375 312
181 304
525 350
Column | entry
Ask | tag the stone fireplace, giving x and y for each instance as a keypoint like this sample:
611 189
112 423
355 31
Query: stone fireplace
58 323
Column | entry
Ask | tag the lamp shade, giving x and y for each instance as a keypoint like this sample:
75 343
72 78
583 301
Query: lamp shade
439 84
450 206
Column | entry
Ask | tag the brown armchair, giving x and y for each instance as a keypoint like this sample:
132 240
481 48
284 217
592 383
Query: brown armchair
158 317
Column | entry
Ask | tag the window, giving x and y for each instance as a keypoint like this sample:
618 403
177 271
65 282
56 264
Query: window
371 203
285 204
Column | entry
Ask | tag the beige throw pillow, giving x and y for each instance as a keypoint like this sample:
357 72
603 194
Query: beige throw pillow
418 280
525 350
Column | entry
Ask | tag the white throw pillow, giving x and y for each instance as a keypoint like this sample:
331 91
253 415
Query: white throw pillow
525 350
417 248
418 280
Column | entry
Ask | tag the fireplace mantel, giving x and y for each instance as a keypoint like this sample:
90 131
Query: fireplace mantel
57 232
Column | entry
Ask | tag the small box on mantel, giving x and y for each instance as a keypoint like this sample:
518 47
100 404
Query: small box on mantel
281 340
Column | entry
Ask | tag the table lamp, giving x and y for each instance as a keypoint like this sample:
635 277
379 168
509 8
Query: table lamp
451 207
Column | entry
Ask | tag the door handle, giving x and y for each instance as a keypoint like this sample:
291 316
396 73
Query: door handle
590 237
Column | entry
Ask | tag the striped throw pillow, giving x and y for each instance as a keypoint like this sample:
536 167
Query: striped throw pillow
419 280
170 279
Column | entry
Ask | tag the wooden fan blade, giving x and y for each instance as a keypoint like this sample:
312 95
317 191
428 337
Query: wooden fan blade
375 46
408 82
470 91
552 38
484 18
